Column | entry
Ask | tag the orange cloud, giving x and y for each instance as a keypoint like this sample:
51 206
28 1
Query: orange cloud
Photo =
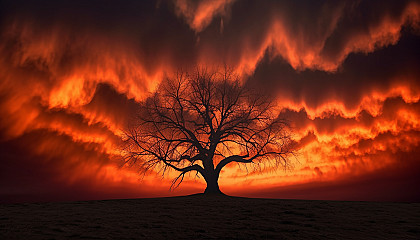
199 14
307 44
68 86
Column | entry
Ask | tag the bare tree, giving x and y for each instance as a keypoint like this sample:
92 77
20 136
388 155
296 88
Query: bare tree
201 122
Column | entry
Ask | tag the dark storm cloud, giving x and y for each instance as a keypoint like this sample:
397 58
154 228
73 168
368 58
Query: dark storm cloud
118 106
36 173
306 34
358 76
359 18
150 30
332 123
73 71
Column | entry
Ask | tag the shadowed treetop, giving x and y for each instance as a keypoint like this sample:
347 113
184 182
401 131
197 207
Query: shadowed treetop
202 121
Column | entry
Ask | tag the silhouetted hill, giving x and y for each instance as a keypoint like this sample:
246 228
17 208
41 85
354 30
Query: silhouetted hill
214 217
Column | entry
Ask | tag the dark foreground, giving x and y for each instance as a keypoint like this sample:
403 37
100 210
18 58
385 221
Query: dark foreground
198 217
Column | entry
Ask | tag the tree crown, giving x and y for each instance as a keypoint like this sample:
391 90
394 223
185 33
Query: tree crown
203 121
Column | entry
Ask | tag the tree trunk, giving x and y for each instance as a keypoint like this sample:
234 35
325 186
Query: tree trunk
212 185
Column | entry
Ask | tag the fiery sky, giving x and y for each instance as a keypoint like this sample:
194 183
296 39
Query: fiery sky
346 73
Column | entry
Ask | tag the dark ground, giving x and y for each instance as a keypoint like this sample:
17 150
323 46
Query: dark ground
198 217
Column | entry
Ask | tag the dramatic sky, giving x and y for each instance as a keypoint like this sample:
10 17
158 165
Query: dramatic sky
346 74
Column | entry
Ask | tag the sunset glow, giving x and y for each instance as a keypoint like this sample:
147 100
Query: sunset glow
346 75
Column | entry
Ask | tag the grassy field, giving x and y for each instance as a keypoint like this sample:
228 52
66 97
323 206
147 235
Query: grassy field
203 217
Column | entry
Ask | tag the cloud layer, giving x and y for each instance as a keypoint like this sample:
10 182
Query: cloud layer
345 74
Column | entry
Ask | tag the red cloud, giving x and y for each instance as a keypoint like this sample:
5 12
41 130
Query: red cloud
68 86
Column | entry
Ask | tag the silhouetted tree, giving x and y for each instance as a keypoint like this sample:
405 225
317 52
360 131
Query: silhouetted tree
203 121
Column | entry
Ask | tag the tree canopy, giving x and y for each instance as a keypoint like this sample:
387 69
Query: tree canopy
200 122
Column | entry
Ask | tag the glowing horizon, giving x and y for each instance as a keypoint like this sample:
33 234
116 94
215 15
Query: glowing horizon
345 74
